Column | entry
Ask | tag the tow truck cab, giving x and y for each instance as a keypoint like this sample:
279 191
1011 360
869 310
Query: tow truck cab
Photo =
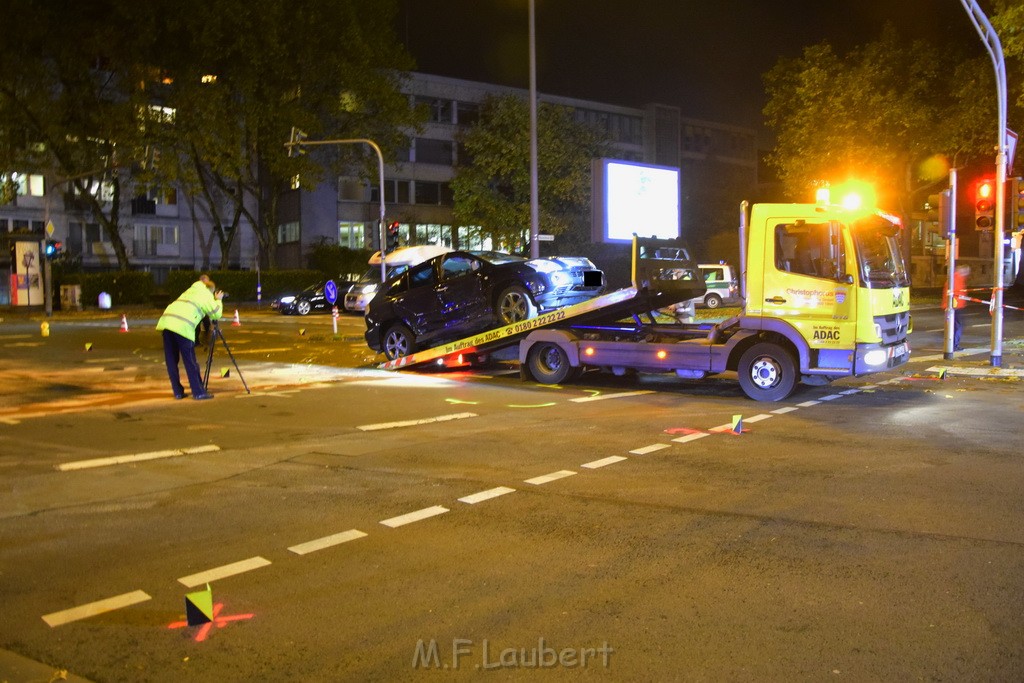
831 281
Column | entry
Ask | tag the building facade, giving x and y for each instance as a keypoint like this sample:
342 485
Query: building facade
165 231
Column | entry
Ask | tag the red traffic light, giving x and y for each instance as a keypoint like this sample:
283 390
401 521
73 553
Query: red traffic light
984 205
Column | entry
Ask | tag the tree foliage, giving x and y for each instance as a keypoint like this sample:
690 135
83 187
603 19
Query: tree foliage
492 190
891 113
79 81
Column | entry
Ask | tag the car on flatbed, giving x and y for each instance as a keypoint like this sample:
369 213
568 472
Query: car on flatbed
459 293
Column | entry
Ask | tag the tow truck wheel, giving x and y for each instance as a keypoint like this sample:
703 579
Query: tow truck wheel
398 342
712 301
302 307
767 372
515 305
548 363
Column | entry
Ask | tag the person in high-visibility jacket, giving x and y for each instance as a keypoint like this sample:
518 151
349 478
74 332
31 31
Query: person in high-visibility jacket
959 302
178 324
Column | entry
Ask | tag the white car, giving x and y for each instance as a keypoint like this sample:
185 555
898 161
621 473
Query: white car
396 262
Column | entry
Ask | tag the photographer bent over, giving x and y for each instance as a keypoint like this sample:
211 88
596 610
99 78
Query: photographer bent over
178 324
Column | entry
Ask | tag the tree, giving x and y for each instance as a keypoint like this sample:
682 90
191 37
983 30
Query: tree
70 101
492 190
890 113
241 74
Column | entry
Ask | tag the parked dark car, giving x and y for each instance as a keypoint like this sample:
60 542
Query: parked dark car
310 299
460 293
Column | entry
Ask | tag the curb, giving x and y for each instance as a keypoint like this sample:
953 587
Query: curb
17 669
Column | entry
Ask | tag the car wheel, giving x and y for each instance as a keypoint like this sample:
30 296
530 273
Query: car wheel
767 372
549 364
515 305
712 301
303 307
398 342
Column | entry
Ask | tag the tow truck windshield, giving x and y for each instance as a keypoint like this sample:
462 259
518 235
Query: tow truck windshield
878 253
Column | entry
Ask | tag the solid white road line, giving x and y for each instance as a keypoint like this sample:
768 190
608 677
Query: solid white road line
411 423
480 497
327 542
603 462
411 517
224 571
605 397
554 476
137 457
649 449
93 608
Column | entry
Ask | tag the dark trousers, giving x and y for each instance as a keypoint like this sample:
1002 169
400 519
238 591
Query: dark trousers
175 347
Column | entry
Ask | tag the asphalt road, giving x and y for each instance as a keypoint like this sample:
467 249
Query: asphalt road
354 524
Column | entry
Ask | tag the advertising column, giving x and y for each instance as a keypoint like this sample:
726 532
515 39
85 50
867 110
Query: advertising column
26 275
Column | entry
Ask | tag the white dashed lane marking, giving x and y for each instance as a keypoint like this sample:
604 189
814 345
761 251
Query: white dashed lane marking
416 516
649 449
480 497
603 462
91 609
411 423
222 572
546 478
691 437
327 542
605 397
136 457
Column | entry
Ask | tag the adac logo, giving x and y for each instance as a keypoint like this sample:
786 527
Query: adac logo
897 298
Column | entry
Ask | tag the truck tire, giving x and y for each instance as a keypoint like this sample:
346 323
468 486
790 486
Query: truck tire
549 364
712 301
515 305
767 372
399 341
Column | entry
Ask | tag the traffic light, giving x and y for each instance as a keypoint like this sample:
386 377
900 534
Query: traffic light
392 237
1016 205
53 248
984 204
938 211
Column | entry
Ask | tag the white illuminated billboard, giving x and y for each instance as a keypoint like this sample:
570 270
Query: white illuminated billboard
636 198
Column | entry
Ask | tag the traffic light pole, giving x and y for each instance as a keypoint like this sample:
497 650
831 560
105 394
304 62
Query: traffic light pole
298 141
995 50
947 219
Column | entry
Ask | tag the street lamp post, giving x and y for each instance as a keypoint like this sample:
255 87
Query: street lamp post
995 51
298 141
534 184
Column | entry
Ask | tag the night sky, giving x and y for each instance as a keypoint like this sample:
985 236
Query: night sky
704 56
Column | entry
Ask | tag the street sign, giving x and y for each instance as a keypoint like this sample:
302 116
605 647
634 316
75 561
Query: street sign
545 238
331 291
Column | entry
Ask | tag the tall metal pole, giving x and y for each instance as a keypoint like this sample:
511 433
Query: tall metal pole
951 249
298 140
534 202
995 51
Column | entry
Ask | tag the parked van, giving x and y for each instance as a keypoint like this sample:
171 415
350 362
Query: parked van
723 288
396 262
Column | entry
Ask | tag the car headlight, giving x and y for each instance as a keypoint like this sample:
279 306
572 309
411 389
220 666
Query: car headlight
875 357
369 289
560 278
542 266
287 299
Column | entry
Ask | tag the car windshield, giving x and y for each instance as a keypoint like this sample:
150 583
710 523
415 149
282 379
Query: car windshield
878 253
373 274
497 257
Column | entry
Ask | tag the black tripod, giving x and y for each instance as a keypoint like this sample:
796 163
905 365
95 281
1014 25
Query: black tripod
212 342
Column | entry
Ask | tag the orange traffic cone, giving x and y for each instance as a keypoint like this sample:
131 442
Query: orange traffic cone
237 322
124 322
